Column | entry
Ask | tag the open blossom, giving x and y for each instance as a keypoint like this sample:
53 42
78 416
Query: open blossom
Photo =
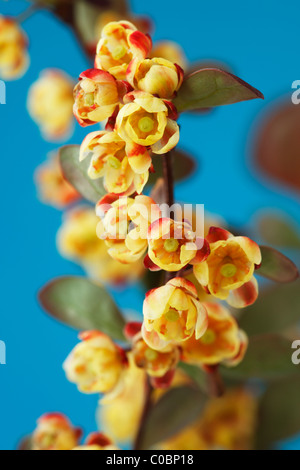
143 23
120 415
156 76
223 341
97 441
77 241
14 58
124 168
119 44
124 224
172 314
228 271
96 364
55 432
53 188
173 245
97 95
145 120
50 104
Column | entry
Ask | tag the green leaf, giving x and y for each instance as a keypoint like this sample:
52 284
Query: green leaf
279 413
83 305
268 358
211 87
279 231
75 173
276 309
177 409
196 374
276 266
184 165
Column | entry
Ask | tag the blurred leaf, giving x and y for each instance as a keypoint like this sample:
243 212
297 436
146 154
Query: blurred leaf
83 305
75 173
196 374
158 193
184 165
177 409
279 413
268 358
276 309
279 231
276 266
277 149
213 87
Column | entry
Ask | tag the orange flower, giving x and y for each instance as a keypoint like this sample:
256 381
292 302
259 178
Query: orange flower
96 364
97 95
55 432
124 224
50 104
172 314
119 44
173 245
144 120
156 76
124 172
14 59
53 188
97 441
228 271
223 341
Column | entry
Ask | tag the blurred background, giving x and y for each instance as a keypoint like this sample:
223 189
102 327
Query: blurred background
242 172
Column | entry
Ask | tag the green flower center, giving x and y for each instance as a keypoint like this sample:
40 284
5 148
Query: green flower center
89 99
114 162
171 245
209 337
172 315
228 270
119 52
146 124
151 355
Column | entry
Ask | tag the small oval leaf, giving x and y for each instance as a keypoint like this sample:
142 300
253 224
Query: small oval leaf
268 358
196 374
75 173
211 87
83 305
177 409
276 266
280 231
184 165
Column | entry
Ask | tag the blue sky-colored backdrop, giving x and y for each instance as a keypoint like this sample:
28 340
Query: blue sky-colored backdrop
259 41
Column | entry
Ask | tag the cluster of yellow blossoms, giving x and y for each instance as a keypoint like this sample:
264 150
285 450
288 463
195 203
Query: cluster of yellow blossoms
14 59
183 320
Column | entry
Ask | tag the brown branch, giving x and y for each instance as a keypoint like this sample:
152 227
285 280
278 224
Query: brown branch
216 386
146 411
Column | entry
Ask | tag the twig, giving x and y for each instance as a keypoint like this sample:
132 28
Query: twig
216 386
28 13
146 411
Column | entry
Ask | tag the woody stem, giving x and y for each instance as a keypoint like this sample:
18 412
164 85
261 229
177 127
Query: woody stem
169 191
146 411
216 386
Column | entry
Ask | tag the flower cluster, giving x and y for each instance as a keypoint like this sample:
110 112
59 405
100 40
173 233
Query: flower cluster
133 92
14 59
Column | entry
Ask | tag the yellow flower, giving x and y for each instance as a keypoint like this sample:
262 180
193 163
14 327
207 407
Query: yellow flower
120 416
156 76
96 364
144 120
55 432
173 245
228 271
125 168
97 441
14 59
53 188
77 241
227 423
143 23
155 363
120 43
223 341
50 104
124 224
172 314
96 97
171 51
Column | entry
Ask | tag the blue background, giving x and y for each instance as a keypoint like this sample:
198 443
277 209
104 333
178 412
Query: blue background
259 41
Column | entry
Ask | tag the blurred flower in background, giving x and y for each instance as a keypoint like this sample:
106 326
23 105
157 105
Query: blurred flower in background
14 58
